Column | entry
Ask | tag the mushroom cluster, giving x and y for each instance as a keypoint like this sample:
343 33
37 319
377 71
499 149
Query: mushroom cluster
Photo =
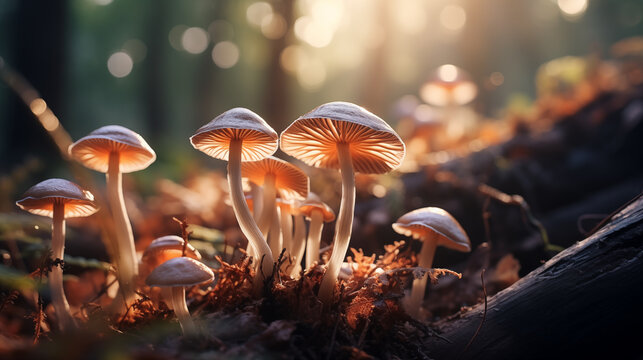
286 221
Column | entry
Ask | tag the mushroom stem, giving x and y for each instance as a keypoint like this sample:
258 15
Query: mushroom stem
344 224
181 310
275 239
257 199
299 244
425 260
269 203
59 301
241 211
314 238
125 239
286 229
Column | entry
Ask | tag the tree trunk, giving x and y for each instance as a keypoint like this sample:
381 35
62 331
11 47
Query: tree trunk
584 301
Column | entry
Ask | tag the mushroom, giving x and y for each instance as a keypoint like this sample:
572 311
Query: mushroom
344 136
318 213
434 227
451 87
58 199
241 135
115 150
275 175
177 274
165 248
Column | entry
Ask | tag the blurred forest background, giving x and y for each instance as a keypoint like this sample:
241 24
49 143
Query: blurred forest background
164 68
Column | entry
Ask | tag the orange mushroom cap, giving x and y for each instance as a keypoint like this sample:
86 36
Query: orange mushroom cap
290 181
311 204
180 271
425 221
259 139
40 199
375 147
167 247
93 150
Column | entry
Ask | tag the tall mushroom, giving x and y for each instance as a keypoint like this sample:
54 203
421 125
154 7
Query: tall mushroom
58 199
115 150
318 213
344 136
241 135
177 274
434 227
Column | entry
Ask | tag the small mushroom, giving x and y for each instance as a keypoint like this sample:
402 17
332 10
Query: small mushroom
318 213
115 150
165 248
434 227
344 136
177 274
275 175
58 199
241 135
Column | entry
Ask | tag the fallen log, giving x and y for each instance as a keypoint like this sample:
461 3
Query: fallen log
585 301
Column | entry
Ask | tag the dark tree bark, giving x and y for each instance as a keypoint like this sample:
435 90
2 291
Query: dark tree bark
37 52
586 301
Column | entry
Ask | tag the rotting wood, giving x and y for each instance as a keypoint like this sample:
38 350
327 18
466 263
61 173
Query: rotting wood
584 301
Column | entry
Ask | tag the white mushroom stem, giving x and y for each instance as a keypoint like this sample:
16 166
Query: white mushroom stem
425 260
59 301
344 224
241 211
299 244
286 229
269 203
257 199
181 310
314 238
275 239
126 261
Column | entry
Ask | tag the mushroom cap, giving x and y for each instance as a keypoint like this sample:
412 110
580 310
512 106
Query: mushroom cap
290 181
259 139
375 147
93 150
448 83
180 271
422 222
165 248
40 199
313 203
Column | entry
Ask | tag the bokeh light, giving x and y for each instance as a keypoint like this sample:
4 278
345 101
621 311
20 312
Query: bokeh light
136 49
273 26
453 17
120 64
225 54
194 40
256 12
572 9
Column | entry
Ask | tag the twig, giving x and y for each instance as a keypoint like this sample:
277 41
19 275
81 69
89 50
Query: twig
484 314
185 234
602 223
518 200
